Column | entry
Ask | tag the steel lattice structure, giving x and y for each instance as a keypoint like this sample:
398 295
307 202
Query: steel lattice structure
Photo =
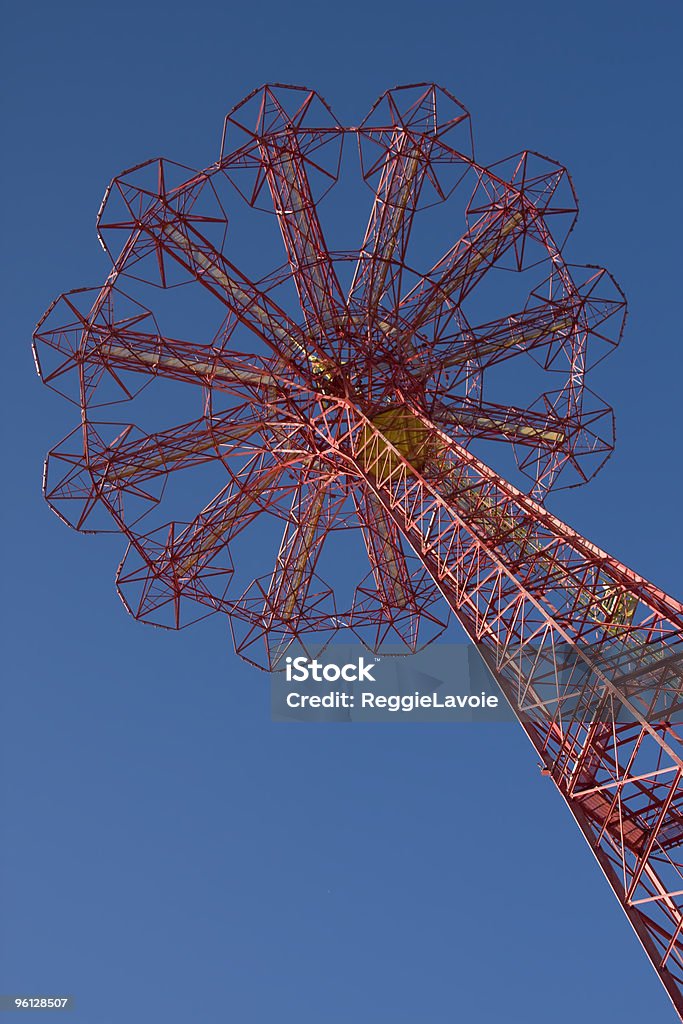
349 392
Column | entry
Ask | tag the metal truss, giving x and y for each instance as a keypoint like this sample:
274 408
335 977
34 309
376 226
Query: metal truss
349 392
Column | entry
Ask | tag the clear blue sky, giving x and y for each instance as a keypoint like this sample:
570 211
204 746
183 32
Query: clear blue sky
167 852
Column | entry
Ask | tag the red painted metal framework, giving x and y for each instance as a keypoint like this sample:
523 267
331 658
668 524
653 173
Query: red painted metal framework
357 404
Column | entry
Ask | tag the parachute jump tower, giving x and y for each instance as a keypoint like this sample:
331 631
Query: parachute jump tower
355 394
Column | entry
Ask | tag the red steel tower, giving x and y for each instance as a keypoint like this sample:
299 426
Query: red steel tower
352 392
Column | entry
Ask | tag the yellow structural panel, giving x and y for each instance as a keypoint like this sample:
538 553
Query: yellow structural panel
408 434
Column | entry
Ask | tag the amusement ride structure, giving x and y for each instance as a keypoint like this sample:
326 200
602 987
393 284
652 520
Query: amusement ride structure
353 394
